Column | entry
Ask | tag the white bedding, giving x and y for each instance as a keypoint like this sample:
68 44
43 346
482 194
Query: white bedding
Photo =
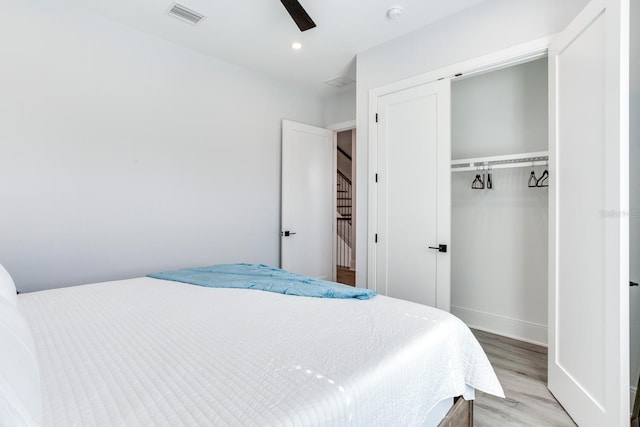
145 352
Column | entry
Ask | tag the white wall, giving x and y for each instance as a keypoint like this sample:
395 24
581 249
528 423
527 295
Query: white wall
340 107
501 112
499 237
124 154
485 28
634 202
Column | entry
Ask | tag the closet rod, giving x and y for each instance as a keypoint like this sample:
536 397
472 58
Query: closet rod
540 158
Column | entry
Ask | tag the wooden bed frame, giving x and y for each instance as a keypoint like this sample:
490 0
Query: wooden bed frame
460 414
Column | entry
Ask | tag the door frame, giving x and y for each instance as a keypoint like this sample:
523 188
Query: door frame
340 127
501 59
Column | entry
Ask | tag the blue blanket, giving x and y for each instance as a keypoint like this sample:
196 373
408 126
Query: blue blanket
264 278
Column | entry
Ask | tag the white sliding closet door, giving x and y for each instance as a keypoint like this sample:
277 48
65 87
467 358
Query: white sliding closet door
413 194
589 234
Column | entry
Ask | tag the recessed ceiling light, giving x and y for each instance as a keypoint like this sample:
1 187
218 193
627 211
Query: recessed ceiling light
296 46
394 12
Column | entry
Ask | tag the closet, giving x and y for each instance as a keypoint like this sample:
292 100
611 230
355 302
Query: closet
535 263
500 200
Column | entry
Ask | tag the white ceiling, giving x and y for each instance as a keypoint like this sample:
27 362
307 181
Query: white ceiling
258 33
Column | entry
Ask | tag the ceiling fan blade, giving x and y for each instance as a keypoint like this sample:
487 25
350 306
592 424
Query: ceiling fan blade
299 15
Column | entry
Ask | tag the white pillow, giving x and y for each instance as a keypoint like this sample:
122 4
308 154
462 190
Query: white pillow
7 287
20 390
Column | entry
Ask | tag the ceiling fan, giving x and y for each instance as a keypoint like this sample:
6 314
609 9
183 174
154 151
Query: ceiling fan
298 14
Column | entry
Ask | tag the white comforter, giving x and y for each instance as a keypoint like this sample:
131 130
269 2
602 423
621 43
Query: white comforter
148 352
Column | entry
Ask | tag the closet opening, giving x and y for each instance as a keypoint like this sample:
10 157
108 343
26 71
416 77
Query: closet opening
500 200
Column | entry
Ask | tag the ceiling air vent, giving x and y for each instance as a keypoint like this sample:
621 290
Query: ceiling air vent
340 81
185 14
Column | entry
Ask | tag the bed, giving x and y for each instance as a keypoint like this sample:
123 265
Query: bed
152 352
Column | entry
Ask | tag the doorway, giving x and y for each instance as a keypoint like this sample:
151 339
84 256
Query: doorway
345 206
500 201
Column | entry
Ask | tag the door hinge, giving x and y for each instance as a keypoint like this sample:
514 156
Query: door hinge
376 177
376 117
376 238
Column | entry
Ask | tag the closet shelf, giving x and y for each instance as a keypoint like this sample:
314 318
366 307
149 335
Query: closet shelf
539 158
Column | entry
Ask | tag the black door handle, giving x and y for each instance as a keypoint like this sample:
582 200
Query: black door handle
287 233
440 248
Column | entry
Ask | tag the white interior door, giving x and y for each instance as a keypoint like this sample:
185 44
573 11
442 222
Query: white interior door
308 200
413 194
589 248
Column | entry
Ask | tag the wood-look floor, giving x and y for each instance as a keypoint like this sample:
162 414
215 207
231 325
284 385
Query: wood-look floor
522 370
346 276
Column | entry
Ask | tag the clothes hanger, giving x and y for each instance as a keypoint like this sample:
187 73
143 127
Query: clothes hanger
532 178
478 183
543 181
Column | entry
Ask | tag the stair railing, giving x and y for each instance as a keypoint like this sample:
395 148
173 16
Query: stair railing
343 218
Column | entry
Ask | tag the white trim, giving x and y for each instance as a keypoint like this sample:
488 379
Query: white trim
516 54
532 50
339 127
521 330
334 208
443 197
528 57
372 208
354 198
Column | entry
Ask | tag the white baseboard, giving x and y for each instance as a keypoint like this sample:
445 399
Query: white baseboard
506 326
